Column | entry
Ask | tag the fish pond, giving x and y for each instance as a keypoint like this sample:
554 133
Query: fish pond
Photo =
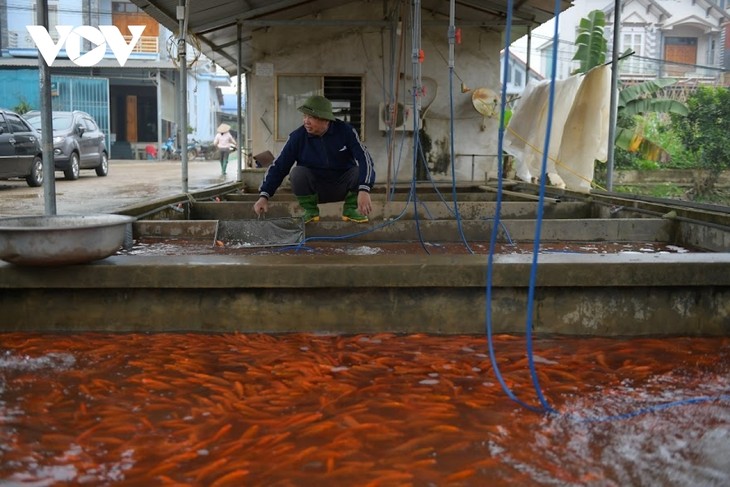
361 410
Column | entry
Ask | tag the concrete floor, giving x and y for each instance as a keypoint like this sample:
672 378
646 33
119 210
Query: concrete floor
129 183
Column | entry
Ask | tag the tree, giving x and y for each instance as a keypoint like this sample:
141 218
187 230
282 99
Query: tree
22 107
704 131
634 101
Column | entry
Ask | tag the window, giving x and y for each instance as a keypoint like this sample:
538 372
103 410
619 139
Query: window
90 125
3 125
633 41
16 124
711 52
632 38
345 93
124 7
547 59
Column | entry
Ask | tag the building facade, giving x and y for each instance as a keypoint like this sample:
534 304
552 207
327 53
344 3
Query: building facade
518 74
684 39
141 105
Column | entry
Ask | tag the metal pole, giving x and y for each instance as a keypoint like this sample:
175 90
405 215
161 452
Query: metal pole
49 171
614 95
415 59
248 114
239 119
158 83
529 55
182 126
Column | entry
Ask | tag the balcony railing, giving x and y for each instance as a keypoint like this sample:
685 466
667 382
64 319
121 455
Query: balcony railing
145 44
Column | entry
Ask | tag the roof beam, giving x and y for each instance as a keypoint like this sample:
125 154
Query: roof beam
257 12
164 18
219 51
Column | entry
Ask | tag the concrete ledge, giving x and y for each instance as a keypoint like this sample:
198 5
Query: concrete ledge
432 210
521 230
252 179
576 294
360 271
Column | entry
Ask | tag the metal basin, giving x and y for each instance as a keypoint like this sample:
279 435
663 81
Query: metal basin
61 239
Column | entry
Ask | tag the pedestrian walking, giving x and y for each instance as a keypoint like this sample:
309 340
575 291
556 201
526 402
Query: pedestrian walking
225 143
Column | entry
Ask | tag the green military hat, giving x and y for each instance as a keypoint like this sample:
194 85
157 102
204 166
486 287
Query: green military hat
317 106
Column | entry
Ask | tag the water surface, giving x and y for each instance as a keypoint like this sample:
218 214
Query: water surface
370 410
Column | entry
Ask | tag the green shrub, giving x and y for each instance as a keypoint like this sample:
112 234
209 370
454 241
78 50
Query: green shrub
704 130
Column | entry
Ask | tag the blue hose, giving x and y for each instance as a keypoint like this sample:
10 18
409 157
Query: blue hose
544 405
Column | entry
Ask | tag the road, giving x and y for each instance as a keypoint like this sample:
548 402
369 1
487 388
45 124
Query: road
128 182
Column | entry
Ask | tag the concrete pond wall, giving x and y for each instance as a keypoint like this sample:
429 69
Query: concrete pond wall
612 294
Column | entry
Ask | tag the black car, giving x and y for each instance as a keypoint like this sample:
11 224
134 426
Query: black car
20 149
78 142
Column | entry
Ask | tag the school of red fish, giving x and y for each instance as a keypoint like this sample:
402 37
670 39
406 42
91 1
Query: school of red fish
357 410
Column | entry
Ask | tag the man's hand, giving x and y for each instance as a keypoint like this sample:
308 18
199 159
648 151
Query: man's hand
262 206
364 205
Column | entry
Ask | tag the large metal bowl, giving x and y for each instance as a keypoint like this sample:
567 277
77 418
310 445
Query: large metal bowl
61 239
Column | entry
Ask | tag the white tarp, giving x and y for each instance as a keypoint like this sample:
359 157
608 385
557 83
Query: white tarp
578 134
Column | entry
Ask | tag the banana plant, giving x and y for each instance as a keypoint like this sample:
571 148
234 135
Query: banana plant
634 100
591 43
639 100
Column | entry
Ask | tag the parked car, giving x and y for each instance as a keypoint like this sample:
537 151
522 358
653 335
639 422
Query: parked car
20 149
78 143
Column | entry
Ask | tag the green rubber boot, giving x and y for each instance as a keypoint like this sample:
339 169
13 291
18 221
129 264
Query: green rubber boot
309 204
349 210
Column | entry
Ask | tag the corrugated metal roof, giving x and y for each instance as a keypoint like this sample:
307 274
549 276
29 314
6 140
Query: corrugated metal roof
216 23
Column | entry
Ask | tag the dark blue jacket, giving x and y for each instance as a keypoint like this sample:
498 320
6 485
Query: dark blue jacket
338 149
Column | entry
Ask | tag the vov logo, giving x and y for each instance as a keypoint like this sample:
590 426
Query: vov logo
105 35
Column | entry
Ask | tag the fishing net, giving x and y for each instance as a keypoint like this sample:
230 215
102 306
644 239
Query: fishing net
263 232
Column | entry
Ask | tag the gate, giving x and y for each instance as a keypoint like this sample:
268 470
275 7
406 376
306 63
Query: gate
91 95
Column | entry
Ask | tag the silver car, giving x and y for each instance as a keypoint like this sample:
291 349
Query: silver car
78 142
20 149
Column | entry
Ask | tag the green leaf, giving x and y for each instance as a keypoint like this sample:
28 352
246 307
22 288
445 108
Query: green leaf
591 43
643 90
633 141
657 105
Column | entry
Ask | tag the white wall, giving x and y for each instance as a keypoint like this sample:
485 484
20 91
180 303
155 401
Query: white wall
365 51
22 13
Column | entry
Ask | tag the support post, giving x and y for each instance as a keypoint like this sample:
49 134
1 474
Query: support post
614 95
44 74
182 125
